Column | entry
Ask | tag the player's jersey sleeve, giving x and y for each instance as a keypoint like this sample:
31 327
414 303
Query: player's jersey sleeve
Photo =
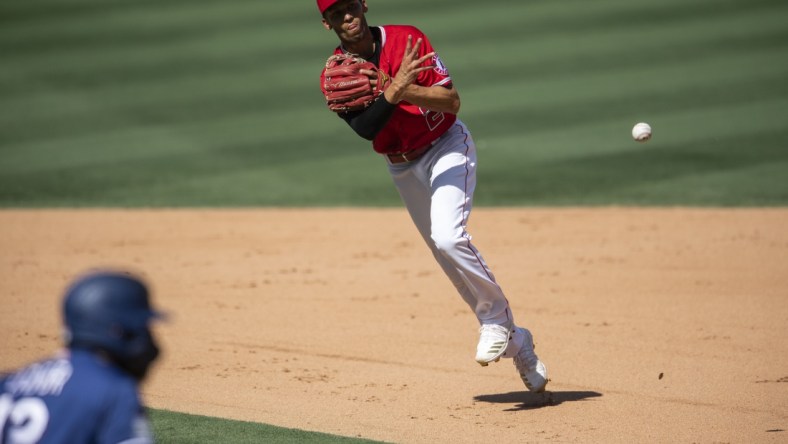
439 75
395 42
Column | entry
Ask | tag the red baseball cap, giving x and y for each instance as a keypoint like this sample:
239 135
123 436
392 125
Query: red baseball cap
322 5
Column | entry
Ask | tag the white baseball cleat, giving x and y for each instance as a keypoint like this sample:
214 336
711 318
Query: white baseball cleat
532 371
493 340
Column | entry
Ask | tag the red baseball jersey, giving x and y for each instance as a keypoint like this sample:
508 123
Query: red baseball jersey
410 127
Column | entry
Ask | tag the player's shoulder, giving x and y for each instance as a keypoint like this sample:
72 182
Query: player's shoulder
37 376
401 31
395 37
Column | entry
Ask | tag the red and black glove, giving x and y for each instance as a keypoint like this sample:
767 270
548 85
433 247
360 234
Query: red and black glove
346 88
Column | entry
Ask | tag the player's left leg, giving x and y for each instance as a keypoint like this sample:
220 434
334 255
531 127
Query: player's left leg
453 182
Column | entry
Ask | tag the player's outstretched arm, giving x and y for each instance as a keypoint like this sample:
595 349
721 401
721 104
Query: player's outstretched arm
433 98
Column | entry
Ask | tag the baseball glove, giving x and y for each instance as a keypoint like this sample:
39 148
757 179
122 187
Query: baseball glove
346 88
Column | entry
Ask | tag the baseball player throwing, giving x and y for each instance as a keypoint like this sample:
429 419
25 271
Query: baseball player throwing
89 393
391 87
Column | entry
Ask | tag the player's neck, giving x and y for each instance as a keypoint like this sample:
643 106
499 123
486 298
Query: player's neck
364 48
366 52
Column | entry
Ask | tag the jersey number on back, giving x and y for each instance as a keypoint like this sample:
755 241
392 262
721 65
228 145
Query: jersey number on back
27 419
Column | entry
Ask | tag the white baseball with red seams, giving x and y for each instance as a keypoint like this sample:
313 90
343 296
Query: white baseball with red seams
641 132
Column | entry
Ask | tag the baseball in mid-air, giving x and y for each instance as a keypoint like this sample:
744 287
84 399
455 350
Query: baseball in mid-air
641 132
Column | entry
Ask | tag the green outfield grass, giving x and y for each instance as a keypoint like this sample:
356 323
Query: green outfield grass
204 103
201 103
180 428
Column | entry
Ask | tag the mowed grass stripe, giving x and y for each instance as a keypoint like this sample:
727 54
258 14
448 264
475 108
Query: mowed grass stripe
196 103
199 97
95 25
228 72
619 176
699 82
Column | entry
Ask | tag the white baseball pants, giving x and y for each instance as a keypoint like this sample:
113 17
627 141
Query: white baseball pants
437 190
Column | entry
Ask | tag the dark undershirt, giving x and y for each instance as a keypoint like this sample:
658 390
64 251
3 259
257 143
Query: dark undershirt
367 123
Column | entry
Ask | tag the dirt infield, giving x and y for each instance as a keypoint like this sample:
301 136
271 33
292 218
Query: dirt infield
657 325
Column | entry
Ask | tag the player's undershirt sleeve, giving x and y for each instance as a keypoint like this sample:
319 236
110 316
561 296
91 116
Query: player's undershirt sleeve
369 122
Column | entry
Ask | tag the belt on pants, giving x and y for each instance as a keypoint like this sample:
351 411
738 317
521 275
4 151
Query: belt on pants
410 156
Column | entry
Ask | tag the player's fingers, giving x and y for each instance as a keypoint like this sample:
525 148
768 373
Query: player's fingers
425 57
414 53
411 51
417 46
421 69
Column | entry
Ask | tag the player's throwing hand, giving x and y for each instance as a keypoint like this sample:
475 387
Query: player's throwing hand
409 70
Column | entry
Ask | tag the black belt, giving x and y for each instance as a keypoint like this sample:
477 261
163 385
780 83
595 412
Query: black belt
410 156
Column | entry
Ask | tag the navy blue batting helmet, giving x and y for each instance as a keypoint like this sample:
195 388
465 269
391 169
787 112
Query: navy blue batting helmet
111 312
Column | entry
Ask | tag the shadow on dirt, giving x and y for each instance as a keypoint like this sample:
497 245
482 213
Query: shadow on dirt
530 401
